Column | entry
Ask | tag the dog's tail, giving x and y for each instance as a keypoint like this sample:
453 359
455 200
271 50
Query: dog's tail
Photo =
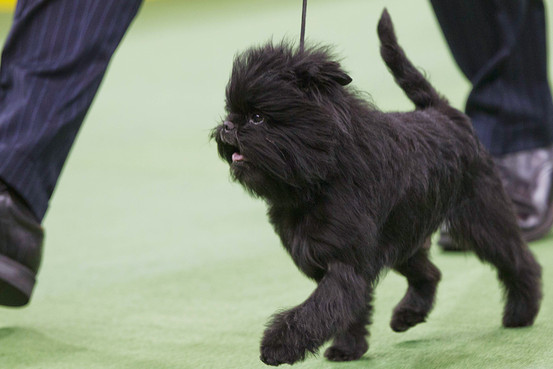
410 79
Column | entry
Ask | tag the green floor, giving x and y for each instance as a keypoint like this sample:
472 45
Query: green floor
154 259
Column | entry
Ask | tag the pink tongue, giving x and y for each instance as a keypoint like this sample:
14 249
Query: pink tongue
237 157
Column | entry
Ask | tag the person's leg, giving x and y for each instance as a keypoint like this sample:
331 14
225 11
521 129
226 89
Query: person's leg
52 64
500 45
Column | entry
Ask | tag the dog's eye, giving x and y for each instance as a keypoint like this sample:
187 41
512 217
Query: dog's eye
257 119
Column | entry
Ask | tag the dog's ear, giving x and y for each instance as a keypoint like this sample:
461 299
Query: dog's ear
321 74
337 74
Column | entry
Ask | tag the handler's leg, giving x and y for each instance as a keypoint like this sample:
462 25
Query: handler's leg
500 45
52 64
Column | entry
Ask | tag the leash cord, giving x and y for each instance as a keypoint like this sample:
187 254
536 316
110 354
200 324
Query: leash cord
302 34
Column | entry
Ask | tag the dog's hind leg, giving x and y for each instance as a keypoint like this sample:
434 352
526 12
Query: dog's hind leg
486 223
351 344
423 278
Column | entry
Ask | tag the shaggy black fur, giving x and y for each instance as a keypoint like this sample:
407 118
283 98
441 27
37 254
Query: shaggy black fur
353 191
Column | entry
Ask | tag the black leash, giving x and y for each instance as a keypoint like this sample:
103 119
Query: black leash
302 35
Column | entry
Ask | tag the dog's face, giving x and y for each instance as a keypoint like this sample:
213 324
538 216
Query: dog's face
282 119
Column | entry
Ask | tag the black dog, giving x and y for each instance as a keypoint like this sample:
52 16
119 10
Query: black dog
352 191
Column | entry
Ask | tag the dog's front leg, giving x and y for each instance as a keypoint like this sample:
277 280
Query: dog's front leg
336 303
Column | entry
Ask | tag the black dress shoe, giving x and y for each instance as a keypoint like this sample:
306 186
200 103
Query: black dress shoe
21 238
527 177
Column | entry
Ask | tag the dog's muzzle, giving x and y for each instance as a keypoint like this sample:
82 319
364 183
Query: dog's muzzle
227 134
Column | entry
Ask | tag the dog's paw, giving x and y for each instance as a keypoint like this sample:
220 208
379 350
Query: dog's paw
405 318
338 353
279 349
521 309
276 354
284 343
521 316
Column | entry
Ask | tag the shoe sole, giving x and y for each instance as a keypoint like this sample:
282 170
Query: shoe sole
16 283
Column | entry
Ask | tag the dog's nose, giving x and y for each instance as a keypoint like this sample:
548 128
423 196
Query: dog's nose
229 126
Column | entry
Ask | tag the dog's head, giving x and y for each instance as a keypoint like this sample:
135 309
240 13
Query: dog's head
284 109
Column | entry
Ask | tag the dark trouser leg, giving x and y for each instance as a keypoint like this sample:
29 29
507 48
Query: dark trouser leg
53 62
500 45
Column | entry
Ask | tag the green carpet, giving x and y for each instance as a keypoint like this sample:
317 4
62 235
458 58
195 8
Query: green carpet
154 259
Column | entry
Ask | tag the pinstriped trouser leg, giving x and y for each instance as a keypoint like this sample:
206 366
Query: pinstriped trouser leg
52 64
500 45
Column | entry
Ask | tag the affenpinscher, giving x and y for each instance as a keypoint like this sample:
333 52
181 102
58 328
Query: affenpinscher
353 191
